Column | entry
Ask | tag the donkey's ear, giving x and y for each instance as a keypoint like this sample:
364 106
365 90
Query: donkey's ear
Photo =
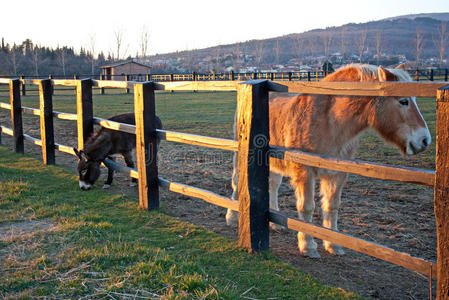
385 75
80 154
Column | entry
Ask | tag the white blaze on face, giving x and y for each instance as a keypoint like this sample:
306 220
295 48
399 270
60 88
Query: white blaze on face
84 186
420 138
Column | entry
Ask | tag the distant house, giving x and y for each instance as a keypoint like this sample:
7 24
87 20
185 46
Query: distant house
118 71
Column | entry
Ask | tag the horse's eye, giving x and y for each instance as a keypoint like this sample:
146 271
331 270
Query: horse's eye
404 102
83 172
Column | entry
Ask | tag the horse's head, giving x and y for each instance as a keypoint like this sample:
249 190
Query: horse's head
88 169
398 119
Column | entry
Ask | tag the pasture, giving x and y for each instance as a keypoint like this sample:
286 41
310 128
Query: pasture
394 214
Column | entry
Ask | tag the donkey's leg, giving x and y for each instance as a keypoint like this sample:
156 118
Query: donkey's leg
108 182
129 163
274 184
232 217
304 192
330 190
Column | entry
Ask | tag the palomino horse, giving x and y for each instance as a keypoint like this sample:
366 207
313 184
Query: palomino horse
332 125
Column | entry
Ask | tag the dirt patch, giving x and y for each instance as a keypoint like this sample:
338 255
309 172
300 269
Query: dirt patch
20 230
399 216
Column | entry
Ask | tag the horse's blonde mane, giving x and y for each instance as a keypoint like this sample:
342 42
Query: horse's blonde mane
364 72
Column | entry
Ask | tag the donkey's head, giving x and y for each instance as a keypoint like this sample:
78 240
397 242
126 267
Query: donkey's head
88 169
398 119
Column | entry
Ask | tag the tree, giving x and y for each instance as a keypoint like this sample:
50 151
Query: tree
343 40
118 38
62 59
440 41
326 37
35 58
92 43
258 53
277 51
144 41
361 43
419 43
379 45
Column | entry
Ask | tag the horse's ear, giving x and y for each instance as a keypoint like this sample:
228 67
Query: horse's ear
400 67
385 75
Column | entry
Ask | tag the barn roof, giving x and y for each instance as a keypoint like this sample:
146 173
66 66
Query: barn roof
124 63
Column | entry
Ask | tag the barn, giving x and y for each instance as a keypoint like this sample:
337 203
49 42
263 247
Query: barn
119 70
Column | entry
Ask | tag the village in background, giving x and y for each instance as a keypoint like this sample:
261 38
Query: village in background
418 41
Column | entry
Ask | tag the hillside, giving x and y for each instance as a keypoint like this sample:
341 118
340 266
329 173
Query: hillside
397 38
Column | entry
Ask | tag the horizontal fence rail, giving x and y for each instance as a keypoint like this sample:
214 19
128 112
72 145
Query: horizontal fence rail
412 175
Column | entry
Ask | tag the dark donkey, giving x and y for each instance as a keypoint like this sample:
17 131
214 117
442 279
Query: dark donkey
104 144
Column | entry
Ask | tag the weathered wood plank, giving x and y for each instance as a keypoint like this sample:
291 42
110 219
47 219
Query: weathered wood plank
65 82
198 85
113 84
368 169
399 89
16 114
198 140
115 125
442 192
121 168
7 131
46 121
65 116
146 145
253 168
205 195
65 149
33 140
84 111
5 81
387 254
31 111
5 105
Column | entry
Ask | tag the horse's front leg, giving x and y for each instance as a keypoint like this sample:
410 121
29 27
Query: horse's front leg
232 217
303 186
108 182
130 163
330 190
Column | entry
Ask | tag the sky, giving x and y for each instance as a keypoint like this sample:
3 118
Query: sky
176 25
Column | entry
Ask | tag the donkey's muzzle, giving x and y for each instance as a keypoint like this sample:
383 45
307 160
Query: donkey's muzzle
85 186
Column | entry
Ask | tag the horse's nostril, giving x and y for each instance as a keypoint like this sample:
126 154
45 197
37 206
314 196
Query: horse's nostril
425 142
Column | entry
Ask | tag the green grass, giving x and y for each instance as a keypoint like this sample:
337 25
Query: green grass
98 245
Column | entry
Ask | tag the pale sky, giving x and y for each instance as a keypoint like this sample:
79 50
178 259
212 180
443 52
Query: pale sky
187 24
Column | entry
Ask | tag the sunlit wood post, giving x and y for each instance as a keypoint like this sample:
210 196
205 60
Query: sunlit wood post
146 145
16 114
442 192
253 164
84 111
46 121
24 91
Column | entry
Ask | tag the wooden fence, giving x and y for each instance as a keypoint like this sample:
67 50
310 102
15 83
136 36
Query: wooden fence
252 97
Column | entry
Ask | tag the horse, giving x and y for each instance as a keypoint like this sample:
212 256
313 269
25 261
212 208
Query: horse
103 144
333 125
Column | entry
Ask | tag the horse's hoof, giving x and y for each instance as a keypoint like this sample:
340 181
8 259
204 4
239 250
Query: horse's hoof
232 218
277 227
334 249
133 184
106 186
310 253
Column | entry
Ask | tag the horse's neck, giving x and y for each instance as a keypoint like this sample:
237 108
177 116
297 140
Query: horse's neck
351 117
100 145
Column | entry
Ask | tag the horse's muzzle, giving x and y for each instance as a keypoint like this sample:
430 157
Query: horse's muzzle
85 186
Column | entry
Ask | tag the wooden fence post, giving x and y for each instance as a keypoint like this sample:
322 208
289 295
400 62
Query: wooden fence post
442 192
84 111
102 77
146 145
253 164
24 91
46 121
16 114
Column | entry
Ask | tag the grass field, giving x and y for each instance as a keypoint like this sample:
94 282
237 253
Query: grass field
59 242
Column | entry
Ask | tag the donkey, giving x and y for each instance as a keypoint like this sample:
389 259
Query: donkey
332 125
103 144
